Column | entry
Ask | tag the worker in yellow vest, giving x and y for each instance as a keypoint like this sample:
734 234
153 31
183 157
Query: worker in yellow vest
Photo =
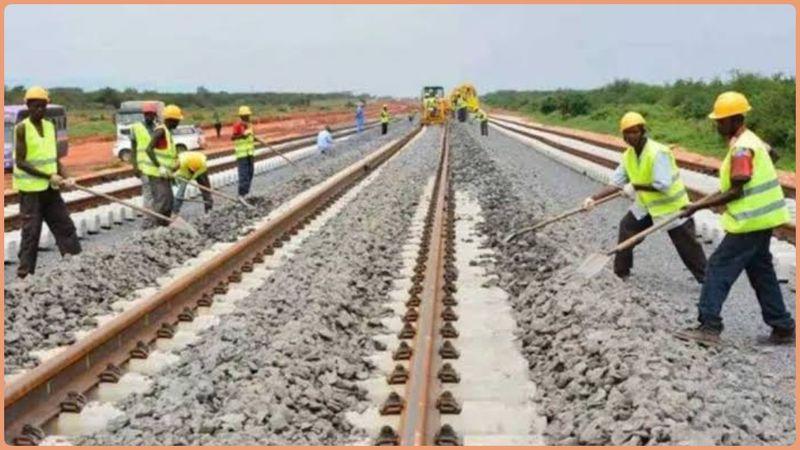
754 205
244 144
192 166
483 119
648 173
158 161
37 176
385 119
140 137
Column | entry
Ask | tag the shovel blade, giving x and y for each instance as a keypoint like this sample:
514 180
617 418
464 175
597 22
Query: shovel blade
592 265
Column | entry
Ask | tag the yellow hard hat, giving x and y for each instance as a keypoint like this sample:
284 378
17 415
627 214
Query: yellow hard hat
630 119
173 112
195 161
245 111
36 93
729 104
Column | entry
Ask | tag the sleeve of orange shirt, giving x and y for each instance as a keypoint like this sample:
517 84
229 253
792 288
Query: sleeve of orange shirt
741 165
238 129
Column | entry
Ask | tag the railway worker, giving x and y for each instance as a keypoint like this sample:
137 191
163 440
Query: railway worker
754 205
648 173
484 121
140 137
159 162
37 177
217 124
192 166
244 144
360 117
325 140
385 119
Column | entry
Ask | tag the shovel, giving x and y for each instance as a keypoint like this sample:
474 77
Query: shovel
559 217
270 149
240 201
592 265
177 222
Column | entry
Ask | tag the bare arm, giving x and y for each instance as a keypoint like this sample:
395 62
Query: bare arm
151 153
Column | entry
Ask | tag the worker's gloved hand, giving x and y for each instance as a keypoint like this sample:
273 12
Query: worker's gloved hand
164 172
56 181
68 182
588 204
629 191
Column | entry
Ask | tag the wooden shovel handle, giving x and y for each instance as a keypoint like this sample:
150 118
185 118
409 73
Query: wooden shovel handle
122 202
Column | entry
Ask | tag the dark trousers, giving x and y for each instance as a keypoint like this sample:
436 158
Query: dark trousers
218 127
747 252
47 206
683 237
208 200
384 127
161 191
246 169
484 128
462 114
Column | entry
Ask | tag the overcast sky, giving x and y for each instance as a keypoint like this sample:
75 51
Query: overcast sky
389 49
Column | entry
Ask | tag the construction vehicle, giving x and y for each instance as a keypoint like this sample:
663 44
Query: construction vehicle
435 106
467 92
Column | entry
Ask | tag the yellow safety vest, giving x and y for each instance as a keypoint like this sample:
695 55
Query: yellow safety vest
142 136
762 205
640 171
42 153
384 116
166 157
183 166
247 146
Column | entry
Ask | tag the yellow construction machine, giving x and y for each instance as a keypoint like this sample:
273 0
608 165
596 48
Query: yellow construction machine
435 106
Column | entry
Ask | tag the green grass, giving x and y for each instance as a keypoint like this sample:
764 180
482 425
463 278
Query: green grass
664 124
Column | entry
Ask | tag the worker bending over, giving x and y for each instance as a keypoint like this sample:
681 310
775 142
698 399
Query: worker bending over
484 121
754 205
244 144
159 161
649 173
325 141
37 176
141 133
385 119
192 166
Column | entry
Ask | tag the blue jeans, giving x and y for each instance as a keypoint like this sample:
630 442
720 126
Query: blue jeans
747 252
246 169
359 125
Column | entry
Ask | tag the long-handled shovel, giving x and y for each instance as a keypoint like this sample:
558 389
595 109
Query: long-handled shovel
561 216
231 198
593 264
177 222
294 164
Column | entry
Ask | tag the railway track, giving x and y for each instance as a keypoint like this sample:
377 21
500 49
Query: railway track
61 384
425 345
546 136
13 220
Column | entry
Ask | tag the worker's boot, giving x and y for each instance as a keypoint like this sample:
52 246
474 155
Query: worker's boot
779 336
703 334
